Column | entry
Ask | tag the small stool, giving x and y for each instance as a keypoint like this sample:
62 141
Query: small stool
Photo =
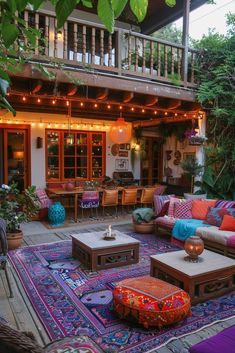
150 301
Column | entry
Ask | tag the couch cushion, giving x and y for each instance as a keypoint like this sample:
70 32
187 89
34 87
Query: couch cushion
171 208
200 208
150 301
165 221
183 209
214 234
221 342
43 198
159 202
228 223
225 203
215 215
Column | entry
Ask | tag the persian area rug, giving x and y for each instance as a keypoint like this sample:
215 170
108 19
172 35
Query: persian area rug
70 300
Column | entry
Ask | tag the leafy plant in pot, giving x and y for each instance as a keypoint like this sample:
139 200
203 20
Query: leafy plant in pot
192 168
15 208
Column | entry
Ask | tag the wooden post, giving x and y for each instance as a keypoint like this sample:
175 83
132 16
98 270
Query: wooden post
185 38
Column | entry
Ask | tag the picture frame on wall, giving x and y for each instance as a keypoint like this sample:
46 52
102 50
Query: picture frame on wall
123 153
122 146
121 164
128 146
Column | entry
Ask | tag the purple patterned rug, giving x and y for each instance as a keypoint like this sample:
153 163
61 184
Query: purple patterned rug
70 300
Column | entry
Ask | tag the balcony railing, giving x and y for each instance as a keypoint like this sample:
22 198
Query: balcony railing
122 53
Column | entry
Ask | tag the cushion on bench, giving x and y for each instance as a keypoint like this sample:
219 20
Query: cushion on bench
223 341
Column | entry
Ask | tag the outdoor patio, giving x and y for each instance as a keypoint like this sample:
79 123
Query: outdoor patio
20 314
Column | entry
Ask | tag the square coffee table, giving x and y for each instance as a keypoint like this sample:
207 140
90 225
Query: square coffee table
96 253
212 277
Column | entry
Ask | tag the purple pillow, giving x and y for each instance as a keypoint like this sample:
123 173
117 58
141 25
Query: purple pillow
222 342
225 204
215 215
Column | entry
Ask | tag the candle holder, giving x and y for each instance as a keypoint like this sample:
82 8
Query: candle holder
109 234
193 246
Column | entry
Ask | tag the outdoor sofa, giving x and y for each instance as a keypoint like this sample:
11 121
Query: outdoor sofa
209 214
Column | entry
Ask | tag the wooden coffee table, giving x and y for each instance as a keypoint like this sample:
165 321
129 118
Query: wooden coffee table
212 277
96 253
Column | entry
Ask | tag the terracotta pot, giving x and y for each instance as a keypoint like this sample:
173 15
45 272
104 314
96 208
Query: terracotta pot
14 240
69 186
144 227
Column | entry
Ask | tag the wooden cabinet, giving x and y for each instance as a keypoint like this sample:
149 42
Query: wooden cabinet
151 162
75 155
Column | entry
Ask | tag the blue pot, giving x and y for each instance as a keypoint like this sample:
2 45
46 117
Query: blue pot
56 214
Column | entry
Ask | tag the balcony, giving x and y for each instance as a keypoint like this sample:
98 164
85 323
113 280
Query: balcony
81 45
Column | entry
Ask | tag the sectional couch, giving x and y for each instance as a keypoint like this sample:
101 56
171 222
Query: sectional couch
169 209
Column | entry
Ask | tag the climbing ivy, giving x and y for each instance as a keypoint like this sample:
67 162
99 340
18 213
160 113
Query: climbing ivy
216 74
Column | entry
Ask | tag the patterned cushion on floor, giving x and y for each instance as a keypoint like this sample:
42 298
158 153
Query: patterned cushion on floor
165 221
150 301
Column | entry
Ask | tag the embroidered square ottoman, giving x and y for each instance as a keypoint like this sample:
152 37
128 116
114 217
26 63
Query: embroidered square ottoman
150 301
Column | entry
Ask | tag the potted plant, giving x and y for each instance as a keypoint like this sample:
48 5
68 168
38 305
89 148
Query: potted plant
15 208
192 168
143 220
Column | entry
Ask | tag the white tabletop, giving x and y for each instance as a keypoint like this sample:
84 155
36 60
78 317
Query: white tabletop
94 240
211 262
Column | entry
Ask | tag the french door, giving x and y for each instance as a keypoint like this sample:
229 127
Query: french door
151 163
16 157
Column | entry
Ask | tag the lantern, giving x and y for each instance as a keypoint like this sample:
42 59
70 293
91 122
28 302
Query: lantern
193 246
120 131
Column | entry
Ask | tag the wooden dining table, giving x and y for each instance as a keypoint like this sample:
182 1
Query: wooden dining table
78 191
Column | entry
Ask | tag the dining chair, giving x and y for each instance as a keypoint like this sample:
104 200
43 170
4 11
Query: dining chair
159 189
89 200
147 196
109 199
129 197
3 253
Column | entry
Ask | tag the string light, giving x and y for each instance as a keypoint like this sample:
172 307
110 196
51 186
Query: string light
23 98
132 109
53 102
67 103
166 113
155 112
108 106
143 110
120 107
81 104
95 105
176 114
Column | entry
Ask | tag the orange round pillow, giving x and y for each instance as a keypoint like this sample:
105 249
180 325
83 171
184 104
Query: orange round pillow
200 208
150 301
228 223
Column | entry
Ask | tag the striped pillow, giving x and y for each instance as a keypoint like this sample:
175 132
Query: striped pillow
159 202
173 201
225 204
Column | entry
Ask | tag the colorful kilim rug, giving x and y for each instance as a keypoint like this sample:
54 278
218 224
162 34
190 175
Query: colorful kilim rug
70 300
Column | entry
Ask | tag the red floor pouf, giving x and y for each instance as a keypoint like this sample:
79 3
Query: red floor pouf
150 301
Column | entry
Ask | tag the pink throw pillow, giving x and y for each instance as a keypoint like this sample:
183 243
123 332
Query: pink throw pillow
173 201
183 209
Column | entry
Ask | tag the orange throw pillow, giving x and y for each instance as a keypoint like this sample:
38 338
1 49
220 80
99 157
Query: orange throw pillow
228 223
200 208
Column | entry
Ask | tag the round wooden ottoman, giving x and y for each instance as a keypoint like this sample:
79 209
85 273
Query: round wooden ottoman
150 301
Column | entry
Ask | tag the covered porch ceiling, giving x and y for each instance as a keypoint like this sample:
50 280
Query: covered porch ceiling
102 97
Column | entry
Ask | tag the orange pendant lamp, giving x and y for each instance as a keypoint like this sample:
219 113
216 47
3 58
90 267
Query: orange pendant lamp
120 131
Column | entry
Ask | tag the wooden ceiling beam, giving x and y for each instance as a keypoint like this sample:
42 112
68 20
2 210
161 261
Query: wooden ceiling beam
156 122
127 97
151 100
102 93
174 104
37 86
72 90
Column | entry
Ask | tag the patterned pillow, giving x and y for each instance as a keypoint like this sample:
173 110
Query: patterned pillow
43 198
225 204
159 201
215 215
183 209
173 201
200 208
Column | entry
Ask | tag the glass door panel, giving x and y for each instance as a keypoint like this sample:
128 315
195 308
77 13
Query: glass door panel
53 155
97 155
16 158
82 155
